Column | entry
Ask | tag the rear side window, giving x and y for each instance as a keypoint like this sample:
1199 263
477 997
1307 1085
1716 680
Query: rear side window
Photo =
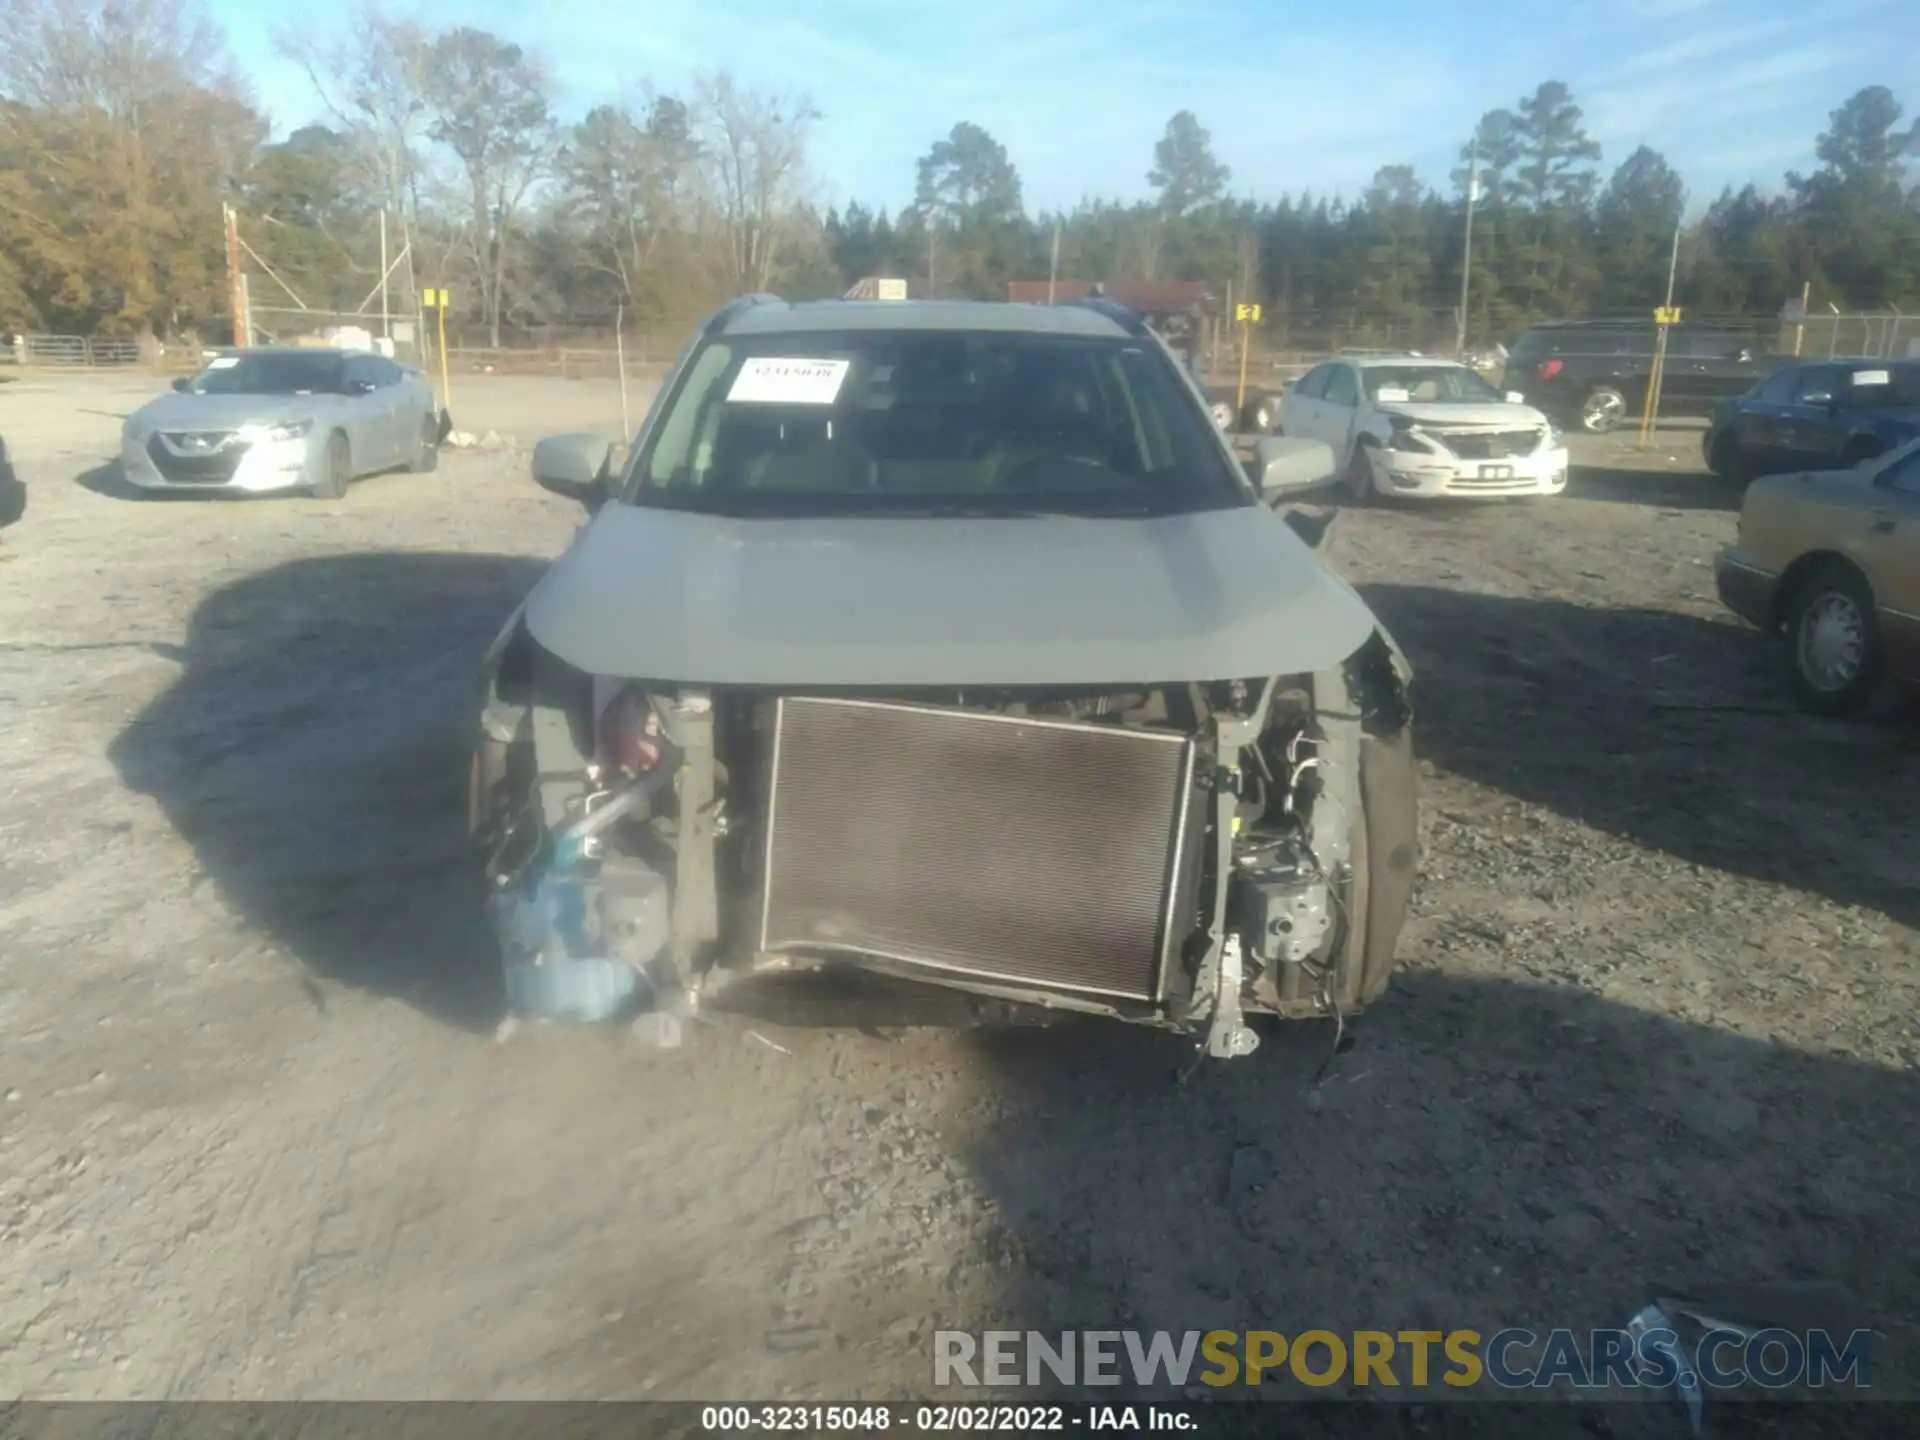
1531 346
1340 387
1707 345
1313 384
1884 387
1775 389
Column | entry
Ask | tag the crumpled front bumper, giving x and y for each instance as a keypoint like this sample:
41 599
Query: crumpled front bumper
265 467
1429 476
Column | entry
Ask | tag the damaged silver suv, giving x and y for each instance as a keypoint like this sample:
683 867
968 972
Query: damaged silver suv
949 641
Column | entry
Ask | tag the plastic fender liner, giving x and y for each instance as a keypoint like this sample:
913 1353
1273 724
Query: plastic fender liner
1386 851
1385 856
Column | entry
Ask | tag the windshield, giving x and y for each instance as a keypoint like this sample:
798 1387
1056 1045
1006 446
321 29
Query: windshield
933 422
315 374
1428 385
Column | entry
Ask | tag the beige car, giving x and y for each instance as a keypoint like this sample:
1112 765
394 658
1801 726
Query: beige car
1831 560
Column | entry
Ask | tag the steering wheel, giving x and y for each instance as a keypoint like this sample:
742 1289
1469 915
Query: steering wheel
1075 467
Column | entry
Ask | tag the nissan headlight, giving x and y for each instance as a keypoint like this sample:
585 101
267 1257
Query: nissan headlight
285 430
1554 438
1402 438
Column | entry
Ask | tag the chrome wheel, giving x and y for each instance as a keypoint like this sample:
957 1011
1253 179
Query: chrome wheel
1222 414
1831 642
1603 410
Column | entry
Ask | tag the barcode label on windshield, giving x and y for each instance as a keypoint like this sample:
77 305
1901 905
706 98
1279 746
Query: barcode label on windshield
779 381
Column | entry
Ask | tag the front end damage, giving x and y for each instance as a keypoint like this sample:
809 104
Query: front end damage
1179 854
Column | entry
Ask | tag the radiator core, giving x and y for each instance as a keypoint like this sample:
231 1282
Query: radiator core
1042 852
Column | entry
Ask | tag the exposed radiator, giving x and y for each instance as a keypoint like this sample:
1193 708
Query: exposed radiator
1043 852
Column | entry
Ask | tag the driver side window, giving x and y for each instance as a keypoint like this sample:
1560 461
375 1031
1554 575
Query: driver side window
1815 386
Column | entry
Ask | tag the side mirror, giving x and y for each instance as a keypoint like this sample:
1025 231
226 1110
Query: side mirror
185 382
1286 465
1515 397
578 466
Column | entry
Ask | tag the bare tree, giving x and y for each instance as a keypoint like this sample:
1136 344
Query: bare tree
371 74
755 148
626 180
490 107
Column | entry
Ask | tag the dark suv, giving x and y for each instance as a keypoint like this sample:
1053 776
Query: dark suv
1592 374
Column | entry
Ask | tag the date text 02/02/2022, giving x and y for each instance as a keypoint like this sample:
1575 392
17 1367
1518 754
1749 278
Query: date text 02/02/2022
947 1419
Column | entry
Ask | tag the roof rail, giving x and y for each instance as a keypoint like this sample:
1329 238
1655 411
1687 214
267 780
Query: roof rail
1126 317
733 307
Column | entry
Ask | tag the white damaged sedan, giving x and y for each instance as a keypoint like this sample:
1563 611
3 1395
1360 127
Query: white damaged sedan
1419 428
292 419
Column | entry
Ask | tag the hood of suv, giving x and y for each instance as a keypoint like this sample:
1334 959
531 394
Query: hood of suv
667 595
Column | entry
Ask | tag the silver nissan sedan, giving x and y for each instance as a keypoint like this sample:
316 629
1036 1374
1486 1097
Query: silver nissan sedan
286 419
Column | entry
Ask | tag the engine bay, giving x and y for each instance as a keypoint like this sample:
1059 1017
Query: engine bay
656 843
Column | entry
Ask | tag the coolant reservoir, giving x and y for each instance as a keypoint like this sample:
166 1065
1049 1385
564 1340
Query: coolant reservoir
572 946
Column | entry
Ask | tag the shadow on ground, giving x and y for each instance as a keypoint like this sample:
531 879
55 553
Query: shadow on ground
314 750
1489 1153
1669 730
108 479
1664 489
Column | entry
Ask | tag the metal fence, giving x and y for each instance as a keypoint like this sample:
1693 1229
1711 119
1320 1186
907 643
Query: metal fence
569 362
72 351
1866 334
272 325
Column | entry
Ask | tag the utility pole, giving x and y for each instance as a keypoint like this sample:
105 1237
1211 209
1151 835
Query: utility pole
620 359
1466 249
386 314
236 281
1053 270
1673 263
1665 318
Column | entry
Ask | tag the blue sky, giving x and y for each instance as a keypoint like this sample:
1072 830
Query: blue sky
1296 95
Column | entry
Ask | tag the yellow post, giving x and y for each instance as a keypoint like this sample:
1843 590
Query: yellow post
1663 319
1248 316
446 385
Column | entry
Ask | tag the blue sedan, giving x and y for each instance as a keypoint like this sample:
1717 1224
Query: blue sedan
1818 415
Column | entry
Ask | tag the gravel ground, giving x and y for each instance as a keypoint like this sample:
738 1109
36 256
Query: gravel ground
259 1139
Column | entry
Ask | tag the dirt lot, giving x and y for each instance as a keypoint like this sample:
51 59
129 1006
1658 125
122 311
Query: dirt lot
258 1137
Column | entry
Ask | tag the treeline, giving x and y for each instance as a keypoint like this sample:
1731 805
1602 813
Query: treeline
124 130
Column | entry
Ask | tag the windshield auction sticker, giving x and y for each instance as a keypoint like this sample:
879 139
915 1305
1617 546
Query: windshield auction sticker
780 380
